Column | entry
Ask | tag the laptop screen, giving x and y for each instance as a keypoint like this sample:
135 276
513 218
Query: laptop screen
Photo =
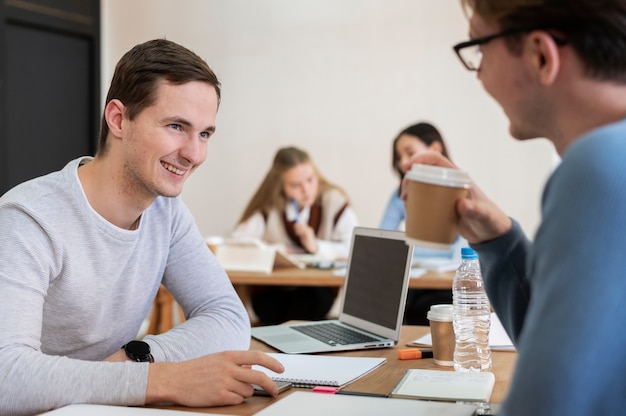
377 269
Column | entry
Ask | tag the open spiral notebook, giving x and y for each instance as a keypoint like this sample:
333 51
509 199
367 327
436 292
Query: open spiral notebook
305 370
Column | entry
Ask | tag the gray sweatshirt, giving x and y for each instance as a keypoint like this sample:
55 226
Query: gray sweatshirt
74 288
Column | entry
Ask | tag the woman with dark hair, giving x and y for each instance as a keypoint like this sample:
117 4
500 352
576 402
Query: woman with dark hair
412 140
409 142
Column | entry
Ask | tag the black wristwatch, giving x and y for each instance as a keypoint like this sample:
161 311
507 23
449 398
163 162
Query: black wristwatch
138 351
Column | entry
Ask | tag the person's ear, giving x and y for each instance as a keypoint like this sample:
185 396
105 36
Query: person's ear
436 146
114 114
543 56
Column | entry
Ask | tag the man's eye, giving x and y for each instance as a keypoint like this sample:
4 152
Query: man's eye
175 126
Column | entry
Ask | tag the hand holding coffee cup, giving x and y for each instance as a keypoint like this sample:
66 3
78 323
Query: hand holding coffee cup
431 196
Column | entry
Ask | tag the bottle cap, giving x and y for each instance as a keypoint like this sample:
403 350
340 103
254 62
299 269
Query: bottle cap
468 253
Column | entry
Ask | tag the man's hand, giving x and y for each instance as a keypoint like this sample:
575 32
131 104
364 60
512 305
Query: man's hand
481 220
218 379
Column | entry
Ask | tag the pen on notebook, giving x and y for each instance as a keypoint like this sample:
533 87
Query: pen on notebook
360 393
294 204
335 390
414 354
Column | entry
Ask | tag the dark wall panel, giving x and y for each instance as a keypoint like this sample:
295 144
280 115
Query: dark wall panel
49 85
49 119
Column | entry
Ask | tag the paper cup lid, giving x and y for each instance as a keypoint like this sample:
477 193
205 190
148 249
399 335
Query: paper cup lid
214 239
438 175
442 313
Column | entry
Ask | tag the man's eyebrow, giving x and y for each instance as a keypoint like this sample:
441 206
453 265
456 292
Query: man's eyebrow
177 120
185 122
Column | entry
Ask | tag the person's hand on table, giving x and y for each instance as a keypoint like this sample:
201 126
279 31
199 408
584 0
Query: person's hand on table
480 219
218 379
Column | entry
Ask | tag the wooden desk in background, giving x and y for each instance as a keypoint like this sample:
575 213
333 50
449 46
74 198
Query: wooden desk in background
165 309
328 278
381 380
242 281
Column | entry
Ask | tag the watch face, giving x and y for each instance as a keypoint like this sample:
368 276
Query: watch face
138 351
138 348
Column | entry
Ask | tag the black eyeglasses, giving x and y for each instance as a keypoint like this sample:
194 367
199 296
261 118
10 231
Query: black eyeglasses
471 55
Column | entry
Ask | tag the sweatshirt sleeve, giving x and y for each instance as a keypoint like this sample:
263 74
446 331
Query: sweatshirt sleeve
503 267
568 317
216 319
32 381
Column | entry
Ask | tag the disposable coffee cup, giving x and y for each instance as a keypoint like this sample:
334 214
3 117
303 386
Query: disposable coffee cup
442 333
214 242
432 194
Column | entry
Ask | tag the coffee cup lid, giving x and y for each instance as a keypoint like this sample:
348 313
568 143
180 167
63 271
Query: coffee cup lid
442 313
214 239
438 175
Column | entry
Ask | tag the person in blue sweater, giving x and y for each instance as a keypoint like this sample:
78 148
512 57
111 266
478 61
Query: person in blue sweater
412 140
558 70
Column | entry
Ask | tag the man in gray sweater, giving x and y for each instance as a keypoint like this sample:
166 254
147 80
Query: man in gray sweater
84 250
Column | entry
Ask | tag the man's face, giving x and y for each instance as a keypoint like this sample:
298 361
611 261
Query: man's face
167 141
506 77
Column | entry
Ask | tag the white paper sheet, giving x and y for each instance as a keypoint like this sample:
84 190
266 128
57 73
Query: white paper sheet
498 338
101 410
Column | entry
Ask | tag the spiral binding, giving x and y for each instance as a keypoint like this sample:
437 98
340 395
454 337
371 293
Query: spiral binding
307 383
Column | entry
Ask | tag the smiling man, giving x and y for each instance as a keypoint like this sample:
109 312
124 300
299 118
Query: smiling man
84 250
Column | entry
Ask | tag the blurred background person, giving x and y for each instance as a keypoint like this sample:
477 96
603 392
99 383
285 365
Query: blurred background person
409 142
299 209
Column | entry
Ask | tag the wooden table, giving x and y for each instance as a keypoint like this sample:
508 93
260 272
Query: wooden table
381 380
283 276
328 278
162 315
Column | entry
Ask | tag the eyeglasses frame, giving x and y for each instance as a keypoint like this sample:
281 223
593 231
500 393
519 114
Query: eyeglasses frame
486 39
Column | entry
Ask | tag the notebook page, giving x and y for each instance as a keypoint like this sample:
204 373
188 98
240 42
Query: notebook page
306 370
498 338
101 410
315 404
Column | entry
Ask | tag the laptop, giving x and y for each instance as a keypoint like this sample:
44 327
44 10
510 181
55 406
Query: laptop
372 302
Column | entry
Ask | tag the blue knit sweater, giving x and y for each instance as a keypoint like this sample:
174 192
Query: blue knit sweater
562 298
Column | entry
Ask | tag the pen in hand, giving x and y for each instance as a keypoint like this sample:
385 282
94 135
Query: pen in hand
294 204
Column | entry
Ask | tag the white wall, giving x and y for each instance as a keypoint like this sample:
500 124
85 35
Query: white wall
339 78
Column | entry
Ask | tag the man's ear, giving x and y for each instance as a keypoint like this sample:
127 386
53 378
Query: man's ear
114 114
543 55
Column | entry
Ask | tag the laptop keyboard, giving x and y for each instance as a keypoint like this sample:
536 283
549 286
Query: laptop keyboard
333 334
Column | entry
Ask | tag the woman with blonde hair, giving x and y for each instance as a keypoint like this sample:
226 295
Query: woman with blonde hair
299 209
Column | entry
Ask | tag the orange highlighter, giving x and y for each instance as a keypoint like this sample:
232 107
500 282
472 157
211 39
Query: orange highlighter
414 354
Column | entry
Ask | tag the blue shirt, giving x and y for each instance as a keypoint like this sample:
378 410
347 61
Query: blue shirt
562 297
393 219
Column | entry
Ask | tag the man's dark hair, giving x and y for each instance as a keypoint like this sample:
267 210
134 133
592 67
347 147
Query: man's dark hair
595 29
139 71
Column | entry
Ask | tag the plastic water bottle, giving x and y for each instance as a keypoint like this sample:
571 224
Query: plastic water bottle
471 316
